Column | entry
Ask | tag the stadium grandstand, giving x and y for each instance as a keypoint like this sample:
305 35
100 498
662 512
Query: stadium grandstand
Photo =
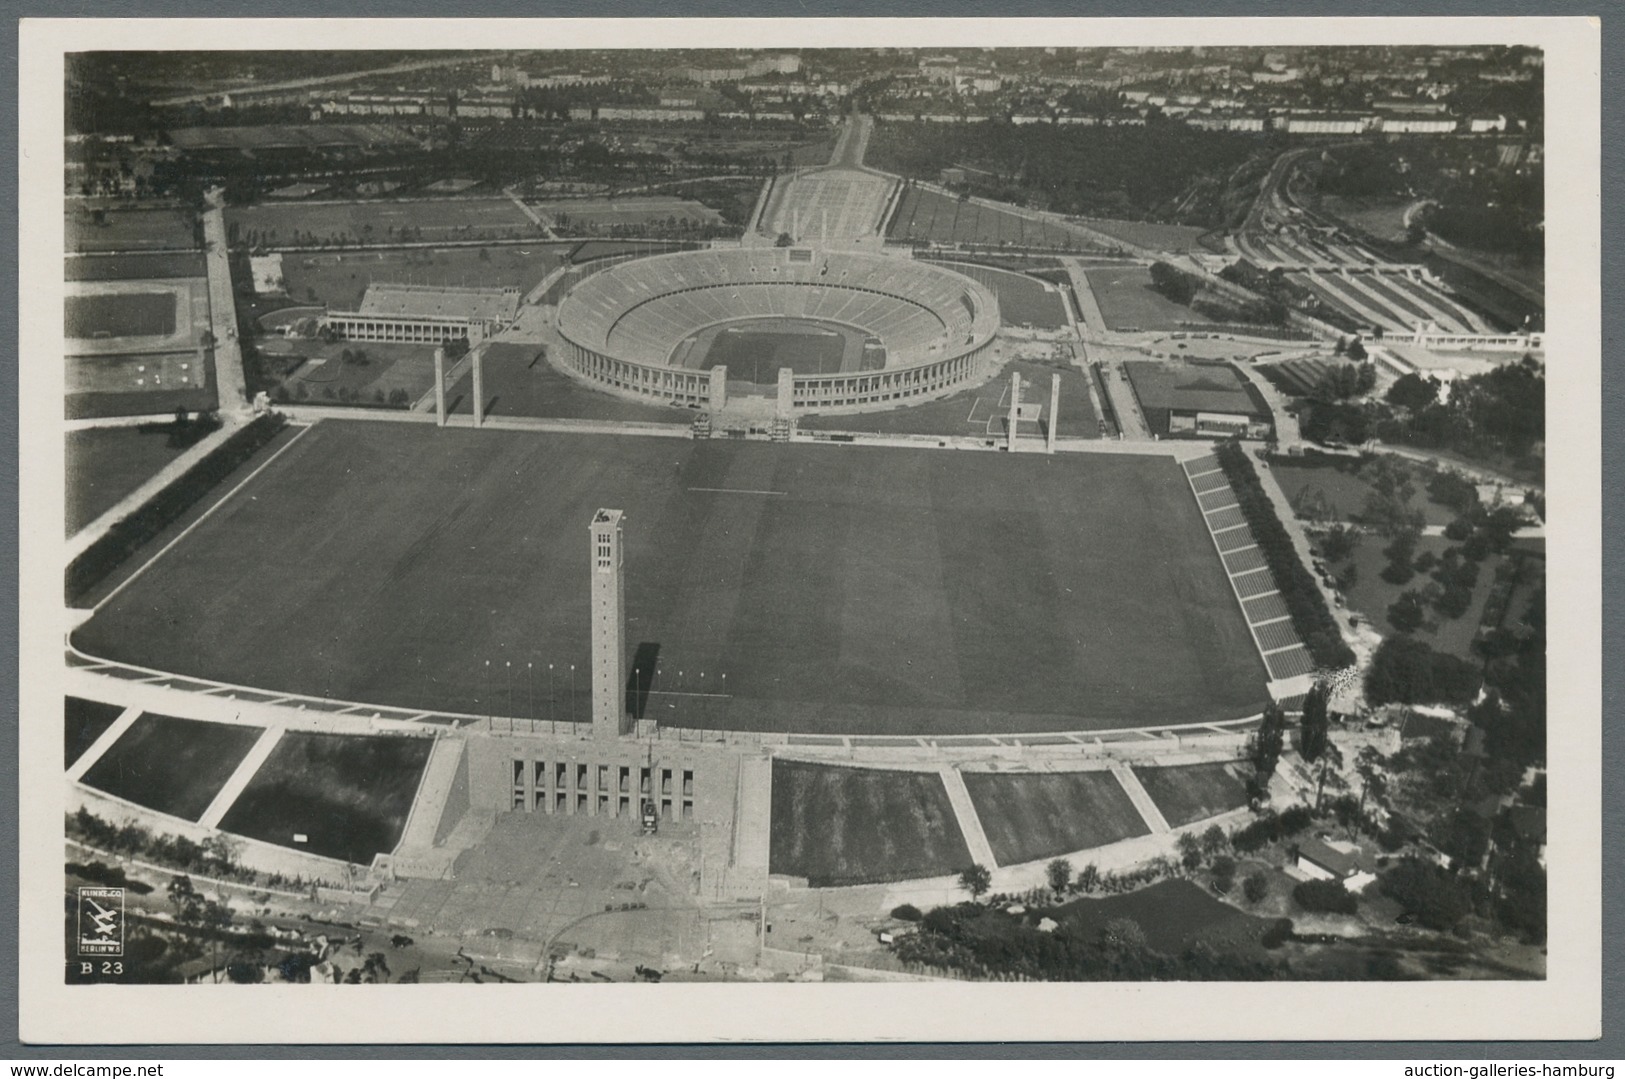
633 328
425 313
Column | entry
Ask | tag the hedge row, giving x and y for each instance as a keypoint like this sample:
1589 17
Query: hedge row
95 562
1304 600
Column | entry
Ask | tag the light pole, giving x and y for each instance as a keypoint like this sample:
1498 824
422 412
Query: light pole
550 695
572 693
508 674
530 693
488 709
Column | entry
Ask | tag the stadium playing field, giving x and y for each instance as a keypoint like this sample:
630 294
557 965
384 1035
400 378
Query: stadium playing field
121 314
754 351
173 765
796 588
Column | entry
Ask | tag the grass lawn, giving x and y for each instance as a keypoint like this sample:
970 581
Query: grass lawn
1173 914
175 766
1345 490
928 215
1033 815
107 463
84 722
1371 595
1023 300
120 314
340 278
378 220
520 382
980 412
837 825
350 794
838 588
128 230
1148 233
317 371
1191 792
1126 299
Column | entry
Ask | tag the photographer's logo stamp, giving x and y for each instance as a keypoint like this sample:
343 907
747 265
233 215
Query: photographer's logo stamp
101 921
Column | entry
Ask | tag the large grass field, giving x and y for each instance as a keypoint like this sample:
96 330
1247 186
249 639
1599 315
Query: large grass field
349 795
123 229
837 588
378 221
520 382
838 826
340 278
979 412
1023 300
937 218
754 351
175 766
82 723
120 314
1184 793
1033 815
1127 299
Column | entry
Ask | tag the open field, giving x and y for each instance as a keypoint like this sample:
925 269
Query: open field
1023 300
628 210
1033 815
317 370
175 766
1191 792
107 463
754 351
837 589
1372 596
120 314
1173 914
936 218
122 229
1158 237
349 794
836 825
378 221
133 267
980 412
82 723
296 136
117 386
520 382
1127 299
1337 482
340 278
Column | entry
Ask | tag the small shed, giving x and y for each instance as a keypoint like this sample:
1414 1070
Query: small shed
1345 863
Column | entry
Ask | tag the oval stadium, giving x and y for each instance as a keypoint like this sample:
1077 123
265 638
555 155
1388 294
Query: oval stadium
855 330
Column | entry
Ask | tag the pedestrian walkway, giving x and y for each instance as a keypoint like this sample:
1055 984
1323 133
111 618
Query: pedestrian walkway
240 777
970 825
1137 794
231 389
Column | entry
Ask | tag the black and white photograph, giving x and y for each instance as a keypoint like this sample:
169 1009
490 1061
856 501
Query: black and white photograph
991 513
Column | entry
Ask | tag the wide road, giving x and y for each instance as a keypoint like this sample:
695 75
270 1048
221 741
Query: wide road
853 142
323 80
230 386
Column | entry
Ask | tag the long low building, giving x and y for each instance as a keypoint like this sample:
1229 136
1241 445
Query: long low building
1198 400
425 314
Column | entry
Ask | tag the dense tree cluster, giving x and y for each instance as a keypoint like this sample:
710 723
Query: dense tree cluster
1407 671
1325 897
1161 172
1304 600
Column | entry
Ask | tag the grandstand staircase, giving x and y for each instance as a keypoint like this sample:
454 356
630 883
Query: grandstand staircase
782 429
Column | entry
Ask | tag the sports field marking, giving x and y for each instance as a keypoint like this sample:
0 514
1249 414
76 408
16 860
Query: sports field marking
1231 528
734 491
1245 572
204 516
1209 472
1271 592
1283 648
1238 550
1270 621
680 693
